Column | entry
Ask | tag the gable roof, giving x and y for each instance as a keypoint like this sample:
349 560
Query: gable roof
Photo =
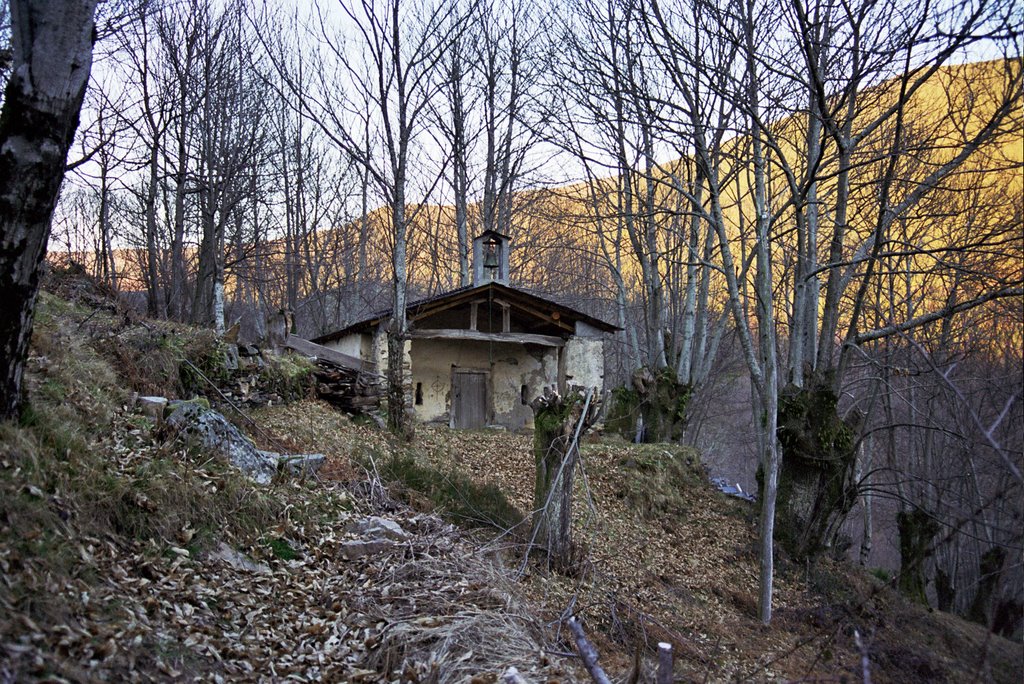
540 306
489 232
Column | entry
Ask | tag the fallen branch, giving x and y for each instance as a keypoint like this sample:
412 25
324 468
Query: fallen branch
588 653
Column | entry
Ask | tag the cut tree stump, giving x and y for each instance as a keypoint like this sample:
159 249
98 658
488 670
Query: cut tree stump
559 422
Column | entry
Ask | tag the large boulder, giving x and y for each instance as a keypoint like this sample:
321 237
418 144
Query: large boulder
205 429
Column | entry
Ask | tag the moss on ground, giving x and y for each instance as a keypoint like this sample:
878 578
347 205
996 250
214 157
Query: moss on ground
449 493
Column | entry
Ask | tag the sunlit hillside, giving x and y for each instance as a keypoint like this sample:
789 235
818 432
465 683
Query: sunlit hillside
963 235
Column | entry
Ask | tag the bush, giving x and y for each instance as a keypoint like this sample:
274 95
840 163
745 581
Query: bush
882 575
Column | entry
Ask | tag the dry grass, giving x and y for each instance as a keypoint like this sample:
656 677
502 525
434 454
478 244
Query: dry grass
106 536
105 533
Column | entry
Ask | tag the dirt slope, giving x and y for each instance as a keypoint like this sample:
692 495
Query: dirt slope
666 557
127 557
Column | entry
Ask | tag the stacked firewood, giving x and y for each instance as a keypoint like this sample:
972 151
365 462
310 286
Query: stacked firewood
350 390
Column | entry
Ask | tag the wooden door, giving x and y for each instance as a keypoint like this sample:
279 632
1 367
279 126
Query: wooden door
469 398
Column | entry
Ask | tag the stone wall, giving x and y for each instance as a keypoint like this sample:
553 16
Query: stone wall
510 366
584 362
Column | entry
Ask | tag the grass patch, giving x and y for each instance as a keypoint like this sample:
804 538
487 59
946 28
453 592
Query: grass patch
451 493
281 549
657 479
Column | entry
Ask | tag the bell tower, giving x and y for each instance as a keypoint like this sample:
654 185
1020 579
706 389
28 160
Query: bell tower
490 258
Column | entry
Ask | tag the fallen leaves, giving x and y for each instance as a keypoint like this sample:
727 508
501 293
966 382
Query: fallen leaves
413 605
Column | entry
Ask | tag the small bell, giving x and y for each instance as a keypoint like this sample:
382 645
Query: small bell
491 255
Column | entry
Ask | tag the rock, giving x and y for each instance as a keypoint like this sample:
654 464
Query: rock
301 464
296 464
206 429
231 357
248 350
153 407
239 560
357 548
172 406
378 528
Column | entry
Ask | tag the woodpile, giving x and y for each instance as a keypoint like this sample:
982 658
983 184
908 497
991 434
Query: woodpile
345 382
351 390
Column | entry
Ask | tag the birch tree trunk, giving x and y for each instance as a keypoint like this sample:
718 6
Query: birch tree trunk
52 56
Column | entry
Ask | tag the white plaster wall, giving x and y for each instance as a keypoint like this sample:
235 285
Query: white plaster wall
353 345
511 366
584 362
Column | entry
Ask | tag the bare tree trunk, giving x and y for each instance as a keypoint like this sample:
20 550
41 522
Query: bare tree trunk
398 420
684 368
559 423
52 57
155 305
176 295
864 469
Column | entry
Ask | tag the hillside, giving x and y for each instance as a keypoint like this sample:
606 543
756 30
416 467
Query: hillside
557 234
127 556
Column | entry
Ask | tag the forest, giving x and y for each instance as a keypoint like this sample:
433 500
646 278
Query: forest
810 211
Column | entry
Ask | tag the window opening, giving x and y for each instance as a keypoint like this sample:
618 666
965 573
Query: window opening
419 394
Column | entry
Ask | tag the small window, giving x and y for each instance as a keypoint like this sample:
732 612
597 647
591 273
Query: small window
524 395
419 394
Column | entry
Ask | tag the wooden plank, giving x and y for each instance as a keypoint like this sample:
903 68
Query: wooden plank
513 338
331 355
469 399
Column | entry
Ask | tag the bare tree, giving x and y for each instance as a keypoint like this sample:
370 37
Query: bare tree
850 173
372 100
51 59
232 147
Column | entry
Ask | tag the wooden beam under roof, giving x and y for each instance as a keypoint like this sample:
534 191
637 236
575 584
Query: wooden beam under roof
334 356
442 305
554 318
506 337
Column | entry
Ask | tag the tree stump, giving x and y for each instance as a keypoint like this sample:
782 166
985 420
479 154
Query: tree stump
559 422
917 528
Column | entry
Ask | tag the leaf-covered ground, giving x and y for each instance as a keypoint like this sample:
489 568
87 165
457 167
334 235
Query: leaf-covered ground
666 557
285 604
126 558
